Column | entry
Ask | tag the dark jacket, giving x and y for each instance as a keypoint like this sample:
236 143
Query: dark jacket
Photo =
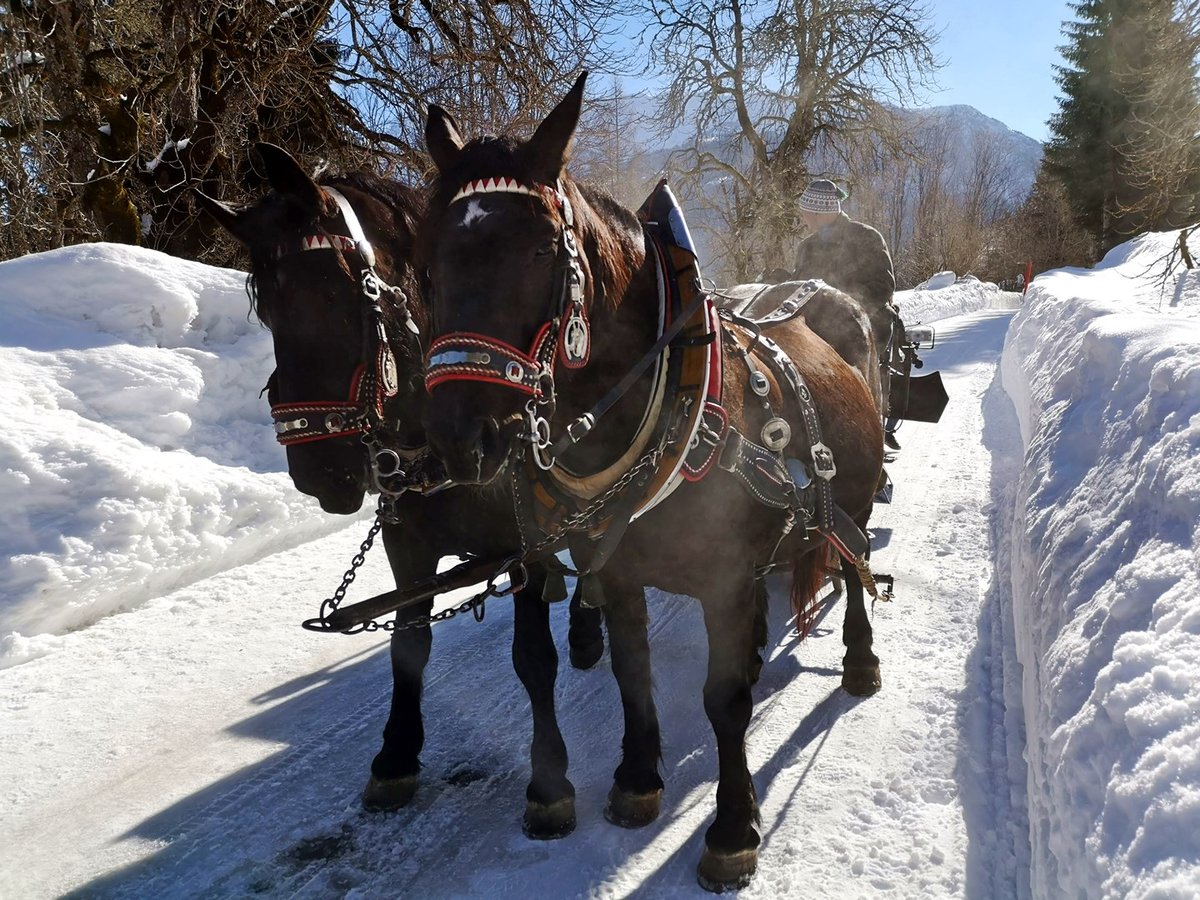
854 258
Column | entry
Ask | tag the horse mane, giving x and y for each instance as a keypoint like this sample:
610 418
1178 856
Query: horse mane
611 234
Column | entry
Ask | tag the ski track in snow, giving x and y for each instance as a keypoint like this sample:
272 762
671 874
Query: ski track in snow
203 745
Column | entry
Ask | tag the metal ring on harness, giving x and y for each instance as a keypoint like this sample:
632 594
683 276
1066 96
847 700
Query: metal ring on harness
386 463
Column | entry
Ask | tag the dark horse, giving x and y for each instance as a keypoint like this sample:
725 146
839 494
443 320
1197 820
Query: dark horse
326 348
520 256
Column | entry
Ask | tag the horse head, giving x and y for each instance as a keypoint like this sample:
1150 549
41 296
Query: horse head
519 265
330 277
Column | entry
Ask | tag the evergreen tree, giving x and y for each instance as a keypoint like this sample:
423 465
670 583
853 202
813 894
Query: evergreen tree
1123 143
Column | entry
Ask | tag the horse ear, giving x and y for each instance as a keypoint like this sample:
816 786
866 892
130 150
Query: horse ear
287 177
550 146
442 137
229 218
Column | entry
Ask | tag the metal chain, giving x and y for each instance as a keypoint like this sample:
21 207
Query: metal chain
509 567
571 523
330 605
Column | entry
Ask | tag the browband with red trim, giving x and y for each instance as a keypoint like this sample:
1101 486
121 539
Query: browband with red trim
506 186
327 242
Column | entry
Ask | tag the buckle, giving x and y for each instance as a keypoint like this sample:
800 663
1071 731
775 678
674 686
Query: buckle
731 453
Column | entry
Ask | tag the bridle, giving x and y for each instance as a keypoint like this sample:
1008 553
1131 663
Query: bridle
376 379
564 338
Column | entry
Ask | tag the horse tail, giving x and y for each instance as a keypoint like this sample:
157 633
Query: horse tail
809 569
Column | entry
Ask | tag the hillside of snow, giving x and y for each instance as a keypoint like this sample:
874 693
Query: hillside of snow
952 298
1103 367
137 455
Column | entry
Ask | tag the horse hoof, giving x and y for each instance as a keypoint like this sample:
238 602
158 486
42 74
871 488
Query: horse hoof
586 657
389 794
632 810
549 821
861 681
719 872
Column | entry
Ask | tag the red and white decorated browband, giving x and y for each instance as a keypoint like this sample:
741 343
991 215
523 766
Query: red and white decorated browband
505 185
357 239
327 242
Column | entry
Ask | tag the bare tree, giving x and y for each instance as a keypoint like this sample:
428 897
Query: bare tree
1044 232
1160 155
609 146
110 111
764 84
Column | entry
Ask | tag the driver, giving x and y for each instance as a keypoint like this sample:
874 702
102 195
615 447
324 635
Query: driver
854 258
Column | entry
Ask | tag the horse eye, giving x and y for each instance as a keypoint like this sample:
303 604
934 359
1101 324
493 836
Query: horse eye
546 249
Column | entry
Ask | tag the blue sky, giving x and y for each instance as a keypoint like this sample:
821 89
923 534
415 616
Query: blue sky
1000 57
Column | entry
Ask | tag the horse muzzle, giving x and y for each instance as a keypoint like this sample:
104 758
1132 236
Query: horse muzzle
472 449
337 482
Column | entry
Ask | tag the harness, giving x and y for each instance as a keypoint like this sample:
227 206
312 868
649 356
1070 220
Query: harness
685 429
374 382
565 337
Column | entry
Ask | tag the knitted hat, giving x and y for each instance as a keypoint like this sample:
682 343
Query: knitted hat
822 196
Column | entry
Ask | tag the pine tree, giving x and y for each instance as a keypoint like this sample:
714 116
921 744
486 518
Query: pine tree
1123 143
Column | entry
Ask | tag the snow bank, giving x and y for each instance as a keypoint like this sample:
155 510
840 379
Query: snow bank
937 281
1104 370
928 304
136 455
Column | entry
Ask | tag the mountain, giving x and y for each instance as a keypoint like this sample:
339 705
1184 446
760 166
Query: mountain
968 126
953 138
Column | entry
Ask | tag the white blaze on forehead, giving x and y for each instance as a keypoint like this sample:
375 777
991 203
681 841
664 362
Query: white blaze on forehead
475 213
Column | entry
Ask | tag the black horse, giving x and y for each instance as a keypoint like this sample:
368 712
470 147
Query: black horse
331 277
548 314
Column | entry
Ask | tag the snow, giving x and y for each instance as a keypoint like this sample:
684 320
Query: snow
937 281
22 58
1104 369
137 456
169 731
926 303
153 164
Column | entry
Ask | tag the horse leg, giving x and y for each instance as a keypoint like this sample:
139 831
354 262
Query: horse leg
550 797
636 795
860 666
731 843
394 769
760 629
585 637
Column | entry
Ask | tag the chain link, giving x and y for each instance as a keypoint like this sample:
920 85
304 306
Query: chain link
514 566
330 605
575 521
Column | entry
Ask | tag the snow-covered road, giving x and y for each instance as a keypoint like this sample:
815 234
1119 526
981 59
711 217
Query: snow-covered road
203 744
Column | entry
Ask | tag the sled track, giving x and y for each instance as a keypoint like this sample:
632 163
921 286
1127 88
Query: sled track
296 861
